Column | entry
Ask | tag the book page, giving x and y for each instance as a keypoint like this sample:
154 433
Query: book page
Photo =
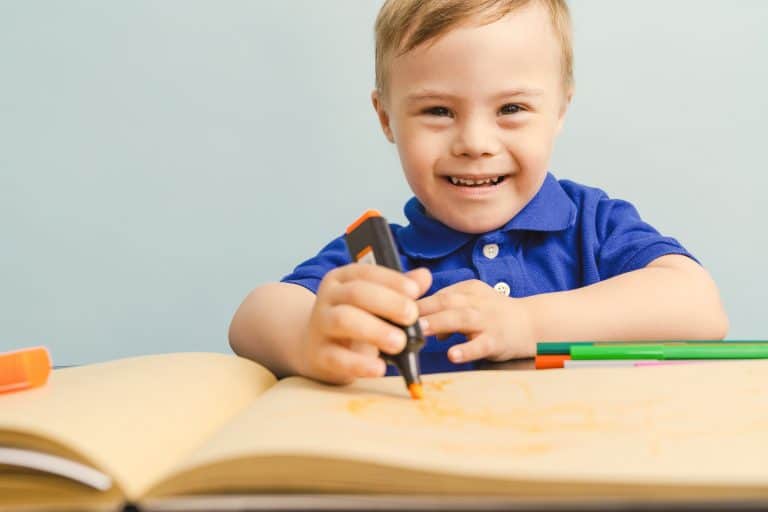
131 418
35 460
697 430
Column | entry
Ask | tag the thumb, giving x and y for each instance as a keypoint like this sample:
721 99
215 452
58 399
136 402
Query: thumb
422 277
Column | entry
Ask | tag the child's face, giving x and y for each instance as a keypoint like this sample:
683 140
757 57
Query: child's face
483 102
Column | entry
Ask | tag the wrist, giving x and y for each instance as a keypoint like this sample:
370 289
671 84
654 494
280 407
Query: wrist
529 330
296 356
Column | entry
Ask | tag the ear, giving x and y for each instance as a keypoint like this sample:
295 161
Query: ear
378 106
567 98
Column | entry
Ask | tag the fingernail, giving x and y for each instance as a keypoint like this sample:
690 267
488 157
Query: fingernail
456 355
408 313
412 288
412 311
424 324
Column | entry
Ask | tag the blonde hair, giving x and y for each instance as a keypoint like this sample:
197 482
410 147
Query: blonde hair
402 25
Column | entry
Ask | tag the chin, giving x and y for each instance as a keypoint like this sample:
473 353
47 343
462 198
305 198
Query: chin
477 225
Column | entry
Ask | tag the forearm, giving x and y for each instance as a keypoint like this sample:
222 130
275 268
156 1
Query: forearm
674 298
268 326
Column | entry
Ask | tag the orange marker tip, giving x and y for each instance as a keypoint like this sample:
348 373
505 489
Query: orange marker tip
416 392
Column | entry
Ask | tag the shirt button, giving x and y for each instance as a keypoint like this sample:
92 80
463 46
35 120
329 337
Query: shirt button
502 288
490 251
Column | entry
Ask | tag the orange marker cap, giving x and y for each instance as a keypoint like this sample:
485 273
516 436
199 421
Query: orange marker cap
367 215
25 368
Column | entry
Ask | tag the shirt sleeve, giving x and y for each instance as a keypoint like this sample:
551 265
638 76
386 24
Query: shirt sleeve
309 273
626 242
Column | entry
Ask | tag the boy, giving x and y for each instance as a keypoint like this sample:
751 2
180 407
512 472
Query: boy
499 253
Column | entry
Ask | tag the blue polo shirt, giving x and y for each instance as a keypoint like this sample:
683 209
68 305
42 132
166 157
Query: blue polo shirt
568 236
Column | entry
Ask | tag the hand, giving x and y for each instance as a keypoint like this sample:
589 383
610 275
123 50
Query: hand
344 334
497 327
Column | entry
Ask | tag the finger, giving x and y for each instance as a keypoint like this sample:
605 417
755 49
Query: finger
443 300
340 365
470 288
375 299
422 277
348 322
479 347
466 320
364 348
384 276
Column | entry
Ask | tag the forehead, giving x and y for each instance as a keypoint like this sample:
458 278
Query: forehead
520 51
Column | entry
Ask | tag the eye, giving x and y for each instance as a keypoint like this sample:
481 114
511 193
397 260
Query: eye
510 108
437 111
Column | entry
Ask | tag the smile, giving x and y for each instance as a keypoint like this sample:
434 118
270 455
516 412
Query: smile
476 182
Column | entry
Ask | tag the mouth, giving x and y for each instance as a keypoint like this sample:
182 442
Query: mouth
476 181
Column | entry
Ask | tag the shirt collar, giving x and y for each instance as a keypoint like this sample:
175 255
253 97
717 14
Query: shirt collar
551 209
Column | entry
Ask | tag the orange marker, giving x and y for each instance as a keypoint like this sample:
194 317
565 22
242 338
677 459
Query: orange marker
25 368
369 240
548 361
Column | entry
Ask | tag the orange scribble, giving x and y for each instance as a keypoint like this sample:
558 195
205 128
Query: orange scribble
358 405
437 385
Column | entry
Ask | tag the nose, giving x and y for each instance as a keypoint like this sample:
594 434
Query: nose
476 138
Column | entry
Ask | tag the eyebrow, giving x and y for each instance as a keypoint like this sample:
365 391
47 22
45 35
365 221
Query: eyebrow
427 94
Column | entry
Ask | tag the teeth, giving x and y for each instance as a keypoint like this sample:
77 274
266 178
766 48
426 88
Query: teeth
474 183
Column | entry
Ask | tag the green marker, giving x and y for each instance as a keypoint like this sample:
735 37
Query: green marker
730 350
564 347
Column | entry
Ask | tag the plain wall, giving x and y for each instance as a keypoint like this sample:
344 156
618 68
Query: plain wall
160 159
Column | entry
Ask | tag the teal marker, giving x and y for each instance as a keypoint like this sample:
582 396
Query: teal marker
731 350
559 348
564 347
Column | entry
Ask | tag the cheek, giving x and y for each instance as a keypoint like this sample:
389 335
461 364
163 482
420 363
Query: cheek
532 150
415 167
418 153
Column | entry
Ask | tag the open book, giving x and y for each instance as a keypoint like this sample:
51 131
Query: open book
193 423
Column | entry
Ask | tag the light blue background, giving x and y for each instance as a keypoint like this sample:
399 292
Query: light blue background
160 159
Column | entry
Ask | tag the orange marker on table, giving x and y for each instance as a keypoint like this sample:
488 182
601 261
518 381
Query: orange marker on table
25 368
549 361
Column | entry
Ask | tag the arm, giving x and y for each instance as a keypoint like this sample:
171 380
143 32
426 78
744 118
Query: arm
269 334
673 297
